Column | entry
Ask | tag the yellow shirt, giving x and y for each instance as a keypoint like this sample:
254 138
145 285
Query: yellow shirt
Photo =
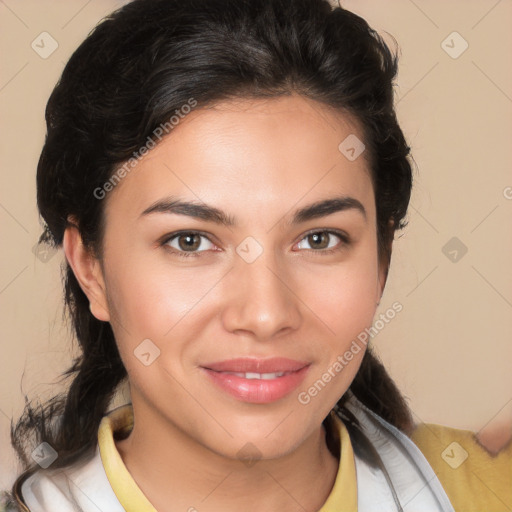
343 497
474 479
477 482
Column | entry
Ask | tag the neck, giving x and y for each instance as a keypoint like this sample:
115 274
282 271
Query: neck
177 473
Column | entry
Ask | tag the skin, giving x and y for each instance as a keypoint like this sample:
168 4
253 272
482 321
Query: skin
259 161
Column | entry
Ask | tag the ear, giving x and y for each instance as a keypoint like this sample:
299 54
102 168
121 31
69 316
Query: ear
384 262
88 272
383 276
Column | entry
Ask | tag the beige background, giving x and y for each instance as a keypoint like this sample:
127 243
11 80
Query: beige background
449 349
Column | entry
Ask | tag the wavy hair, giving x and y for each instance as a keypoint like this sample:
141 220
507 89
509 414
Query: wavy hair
133 71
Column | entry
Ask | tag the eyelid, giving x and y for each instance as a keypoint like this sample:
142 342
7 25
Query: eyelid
343 235
171 236
338 232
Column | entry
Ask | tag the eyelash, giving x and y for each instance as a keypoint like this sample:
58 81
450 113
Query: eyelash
345 240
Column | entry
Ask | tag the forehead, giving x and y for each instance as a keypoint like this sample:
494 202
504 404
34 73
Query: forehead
251 155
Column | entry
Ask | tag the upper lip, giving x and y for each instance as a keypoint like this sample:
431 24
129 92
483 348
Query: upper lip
255 365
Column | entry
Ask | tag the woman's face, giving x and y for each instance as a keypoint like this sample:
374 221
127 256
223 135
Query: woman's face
271 285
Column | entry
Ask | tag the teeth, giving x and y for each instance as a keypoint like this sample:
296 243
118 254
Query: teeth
251 375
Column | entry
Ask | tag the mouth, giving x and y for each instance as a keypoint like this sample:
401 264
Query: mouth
264 376
258 381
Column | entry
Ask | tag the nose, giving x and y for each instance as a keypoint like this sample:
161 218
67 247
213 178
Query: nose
262 302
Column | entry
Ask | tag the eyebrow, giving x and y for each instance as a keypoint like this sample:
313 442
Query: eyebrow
202 211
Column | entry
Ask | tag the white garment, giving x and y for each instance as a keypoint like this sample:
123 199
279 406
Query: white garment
416 486
84 487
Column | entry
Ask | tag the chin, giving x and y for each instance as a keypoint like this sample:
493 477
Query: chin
263 440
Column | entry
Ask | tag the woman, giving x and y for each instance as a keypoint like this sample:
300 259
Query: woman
225 178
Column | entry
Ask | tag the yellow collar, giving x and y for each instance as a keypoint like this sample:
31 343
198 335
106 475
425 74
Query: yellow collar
343 497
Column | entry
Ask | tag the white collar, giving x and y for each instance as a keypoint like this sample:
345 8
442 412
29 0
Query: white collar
405 481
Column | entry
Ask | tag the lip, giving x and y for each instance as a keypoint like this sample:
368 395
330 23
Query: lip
257 390
256 365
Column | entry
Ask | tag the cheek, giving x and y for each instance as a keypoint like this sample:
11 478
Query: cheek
345 296
165 303
149 299
156 299
345 302
348 311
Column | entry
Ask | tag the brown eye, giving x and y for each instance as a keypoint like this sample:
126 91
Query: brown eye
187 243
319 240
324 241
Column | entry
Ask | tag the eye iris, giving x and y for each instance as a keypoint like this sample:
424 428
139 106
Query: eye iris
190 245
318 237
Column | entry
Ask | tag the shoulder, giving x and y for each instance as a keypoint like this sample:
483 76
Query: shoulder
474 478
43 490
81 487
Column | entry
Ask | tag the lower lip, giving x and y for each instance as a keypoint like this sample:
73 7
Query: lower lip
257 391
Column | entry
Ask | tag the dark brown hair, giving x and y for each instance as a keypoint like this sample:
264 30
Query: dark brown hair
130 75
